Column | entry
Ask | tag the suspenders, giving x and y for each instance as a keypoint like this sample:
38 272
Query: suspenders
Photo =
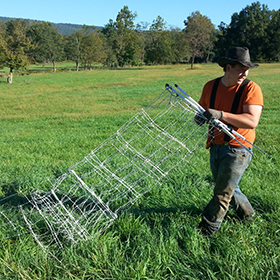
235 103
213 93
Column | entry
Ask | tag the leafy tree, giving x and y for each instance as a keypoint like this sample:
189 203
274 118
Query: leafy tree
38 35
123 42
55 46
221 44
92 49
110 32
271 48
48 43
199 31
3 44
180 45
15 45
159 24
158 43
72 46
250 28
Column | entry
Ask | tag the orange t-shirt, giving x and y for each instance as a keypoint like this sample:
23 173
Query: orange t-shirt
252 95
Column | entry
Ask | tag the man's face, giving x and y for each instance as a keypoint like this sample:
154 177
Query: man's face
237 73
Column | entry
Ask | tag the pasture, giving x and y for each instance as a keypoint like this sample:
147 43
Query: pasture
51 121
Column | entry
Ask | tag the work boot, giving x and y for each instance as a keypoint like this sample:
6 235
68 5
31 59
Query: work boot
207 228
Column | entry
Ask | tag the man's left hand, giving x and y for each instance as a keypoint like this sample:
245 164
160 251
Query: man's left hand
212 113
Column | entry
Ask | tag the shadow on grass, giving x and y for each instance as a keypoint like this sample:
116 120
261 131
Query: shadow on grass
164 216
11 195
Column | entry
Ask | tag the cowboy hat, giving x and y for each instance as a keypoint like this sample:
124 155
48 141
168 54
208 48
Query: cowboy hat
237 55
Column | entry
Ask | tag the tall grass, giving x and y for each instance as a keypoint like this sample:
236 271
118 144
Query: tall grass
51 121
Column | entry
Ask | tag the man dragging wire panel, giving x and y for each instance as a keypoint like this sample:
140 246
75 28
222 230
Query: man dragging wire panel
238 102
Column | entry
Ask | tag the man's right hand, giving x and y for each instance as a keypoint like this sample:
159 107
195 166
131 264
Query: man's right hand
199 119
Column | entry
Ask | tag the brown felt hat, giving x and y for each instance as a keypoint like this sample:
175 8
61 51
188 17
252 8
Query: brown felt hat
237 55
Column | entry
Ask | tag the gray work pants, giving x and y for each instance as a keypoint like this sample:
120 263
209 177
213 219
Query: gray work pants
227 165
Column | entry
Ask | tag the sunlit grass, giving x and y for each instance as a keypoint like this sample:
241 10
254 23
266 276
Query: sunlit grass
51 121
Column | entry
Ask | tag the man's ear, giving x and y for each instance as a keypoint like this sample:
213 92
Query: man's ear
228 67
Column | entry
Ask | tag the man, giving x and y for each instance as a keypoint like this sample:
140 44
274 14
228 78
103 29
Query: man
238 102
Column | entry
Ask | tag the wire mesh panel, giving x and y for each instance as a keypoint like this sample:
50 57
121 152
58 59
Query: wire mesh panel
86 199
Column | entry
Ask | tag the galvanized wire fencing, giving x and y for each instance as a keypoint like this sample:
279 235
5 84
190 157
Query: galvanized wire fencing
84 201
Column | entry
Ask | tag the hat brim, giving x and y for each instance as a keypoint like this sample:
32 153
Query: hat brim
222 61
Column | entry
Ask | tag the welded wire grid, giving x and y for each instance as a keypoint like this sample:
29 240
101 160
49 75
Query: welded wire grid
85 200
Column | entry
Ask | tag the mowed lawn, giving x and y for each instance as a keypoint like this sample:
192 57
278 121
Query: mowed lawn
51 121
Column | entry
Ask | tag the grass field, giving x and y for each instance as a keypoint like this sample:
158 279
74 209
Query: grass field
51 121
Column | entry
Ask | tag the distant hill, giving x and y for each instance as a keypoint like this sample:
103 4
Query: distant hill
62 28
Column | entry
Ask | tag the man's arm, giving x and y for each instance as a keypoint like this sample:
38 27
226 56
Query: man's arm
248 119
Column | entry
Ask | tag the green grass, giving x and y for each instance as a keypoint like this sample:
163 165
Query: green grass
51 121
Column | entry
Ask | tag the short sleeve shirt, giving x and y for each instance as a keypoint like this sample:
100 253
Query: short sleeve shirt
252 95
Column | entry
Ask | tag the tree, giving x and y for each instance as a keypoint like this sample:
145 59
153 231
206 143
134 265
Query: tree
221 44
3 43
180 45
199 31
249 28
38 35
159 24
15 45
158 43
271 48
123 42
92 49
48 43
72 46
109 32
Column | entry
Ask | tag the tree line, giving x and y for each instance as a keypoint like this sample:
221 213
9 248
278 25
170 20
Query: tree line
122 42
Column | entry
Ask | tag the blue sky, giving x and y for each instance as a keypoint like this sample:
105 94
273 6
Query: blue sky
98 13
